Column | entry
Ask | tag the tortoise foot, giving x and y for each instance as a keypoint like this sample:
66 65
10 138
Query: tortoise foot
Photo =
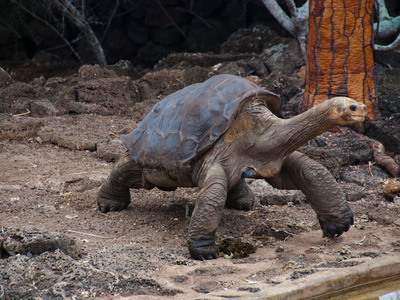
113 199
203 248
107 205
333 229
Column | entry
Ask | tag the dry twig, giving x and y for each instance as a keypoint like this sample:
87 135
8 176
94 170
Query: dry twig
23 114
89 234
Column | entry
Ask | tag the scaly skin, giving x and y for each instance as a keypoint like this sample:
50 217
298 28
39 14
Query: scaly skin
321 191
207 214
114 194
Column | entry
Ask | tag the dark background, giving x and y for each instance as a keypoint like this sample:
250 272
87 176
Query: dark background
142 31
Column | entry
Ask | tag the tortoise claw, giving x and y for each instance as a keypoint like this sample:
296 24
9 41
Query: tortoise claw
333 229
107 205
203 248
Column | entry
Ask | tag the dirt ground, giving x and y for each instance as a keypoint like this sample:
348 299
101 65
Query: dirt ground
55 244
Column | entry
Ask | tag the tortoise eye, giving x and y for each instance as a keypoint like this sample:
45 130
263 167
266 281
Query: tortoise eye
353 108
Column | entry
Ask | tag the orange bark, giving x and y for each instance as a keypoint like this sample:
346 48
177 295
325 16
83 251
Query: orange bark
340 53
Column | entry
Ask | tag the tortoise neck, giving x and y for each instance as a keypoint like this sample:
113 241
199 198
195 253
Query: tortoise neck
304 127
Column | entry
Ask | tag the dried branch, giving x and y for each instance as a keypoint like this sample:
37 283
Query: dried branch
109 21
296 25
282 18
51 27
292 8
394 45
79 20
380 7
10 27
386 26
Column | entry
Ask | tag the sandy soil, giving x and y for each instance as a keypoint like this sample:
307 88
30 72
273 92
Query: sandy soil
55 244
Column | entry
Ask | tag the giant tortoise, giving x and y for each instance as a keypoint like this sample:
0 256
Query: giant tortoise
213 135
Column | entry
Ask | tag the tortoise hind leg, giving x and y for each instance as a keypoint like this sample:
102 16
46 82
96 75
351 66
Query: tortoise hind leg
114 194
240 197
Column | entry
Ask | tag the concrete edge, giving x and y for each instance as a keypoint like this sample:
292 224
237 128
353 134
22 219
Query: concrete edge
327 281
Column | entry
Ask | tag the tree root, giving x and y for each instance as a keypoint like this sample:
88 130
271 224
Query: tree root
380 156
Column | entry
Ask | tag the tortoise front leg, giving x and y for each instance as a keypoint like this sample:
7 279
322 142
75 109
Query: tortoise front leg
321 191
114 193
207 214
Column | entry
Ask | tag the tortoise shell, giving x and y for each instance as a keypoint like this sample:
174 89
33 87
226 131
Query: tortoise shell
185 124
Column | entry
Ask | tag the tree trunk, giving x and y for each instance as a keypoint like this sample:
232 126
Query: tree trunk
340 53
78 19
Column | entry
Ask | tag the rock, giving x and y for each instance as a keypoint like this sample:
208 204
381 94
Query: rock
206 7
152 52
337 149
87 108
88 72
251 40
136 33
271 196
286 86
110 151
282 198
36 241
180 278
167 36
124 68
123 49
234 14
16 98
368 176
285 58
44 107
5 78
353 192
154 86
244 68
206 35
386 132
205 59
388 59
164 17
103 87
14 128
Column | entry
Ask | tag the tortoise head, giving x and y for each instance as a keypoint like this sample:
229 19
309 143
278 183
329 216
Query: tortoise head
346 111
